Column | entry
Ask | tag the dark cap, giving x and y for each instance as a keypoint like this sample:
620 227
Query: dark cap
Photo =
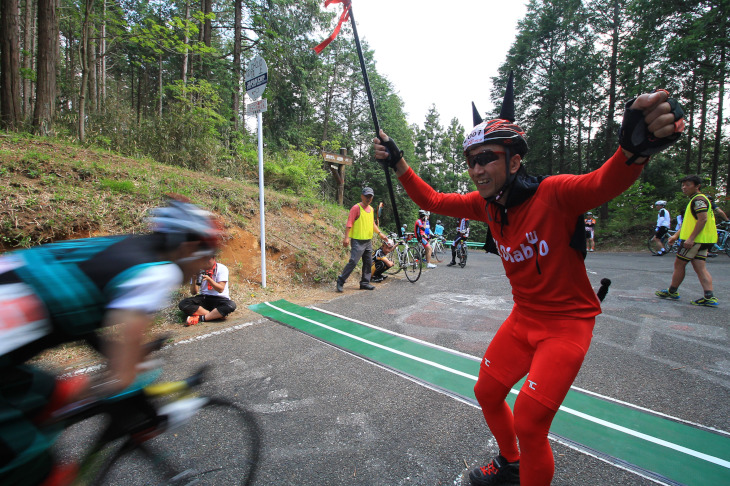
367 191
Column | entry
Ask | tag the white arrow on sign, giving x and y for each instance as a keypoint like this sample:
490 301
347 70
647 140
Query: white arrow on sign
256 77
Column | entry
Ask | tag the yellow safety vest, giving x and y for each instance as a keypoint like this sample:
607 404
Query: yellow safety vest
362 228
708 233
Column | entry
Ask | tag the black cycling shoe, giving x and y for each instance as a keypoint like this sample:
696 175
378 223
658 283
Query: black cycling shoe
366 286
499 471
451 264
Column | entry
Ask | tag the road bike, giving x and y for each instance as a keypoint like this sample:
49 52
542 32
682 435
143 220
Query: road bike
407 258
160 433
437 247
723 238
651 244
462 252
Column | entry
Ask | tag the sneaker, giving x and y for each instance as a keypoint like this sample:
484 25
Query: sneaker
451 264
340 283
711 302
499 471
430 265
660 253
192 320
666 294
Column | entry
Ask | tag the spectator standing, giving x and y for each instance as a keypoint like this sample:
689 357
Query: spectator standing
438 229
211 299
663 221
590 224
698 234
359 237
419 231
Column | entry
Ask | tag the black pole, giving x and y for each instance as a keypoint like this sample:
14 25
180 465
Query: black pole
375 116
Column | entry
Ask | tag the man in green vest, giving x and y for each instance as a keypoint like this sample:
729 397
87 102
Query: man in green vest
359 235
698 234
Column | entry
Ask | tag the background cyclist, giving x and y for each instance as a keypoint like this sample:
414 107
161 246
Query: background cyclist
590 226
65 292
663 221
462 235
420 234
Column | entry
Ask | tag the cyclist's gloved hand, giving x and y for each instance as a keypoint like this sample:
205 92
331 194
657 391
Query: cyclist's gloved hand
644 131
392 154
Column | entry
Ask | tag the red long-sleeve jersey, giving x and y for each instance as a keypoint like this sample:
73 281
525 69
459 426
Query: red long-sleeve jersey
547 276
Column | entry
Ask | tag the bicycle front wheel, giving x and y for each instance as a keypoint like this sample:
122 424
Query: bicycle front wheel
220 444
413 264
438 251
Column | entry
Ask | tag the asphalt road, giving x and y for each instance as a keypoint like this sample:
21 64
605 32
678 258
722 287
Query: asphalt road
331 418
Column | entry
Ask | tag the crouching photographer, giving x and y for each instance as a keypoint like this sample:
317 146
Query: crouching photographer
211 298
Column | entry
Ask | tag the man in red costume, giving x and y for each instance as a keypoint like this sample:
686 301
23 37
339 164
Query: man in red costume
536 226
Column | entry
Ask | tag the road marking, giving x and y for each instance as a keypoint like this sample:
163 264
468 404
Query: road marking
612 435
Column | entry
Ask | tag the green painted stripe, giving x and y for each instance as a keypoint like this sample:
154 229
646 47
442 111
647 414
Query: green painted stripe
654 445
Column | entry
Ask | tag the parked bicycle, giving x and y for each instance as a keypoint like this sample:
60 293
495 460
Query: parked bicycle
651 243
723 238
131 439
407 258
438 248
462 251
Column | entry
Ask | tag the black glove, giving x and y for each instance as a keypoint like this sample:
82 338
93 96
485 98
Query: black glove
635 137
394 154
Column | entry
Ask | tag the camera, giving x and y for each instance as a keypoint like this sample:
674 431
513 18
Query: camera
199 279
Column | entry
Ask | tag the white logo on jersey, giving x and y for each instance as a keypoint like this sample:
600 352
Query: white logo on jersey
524 252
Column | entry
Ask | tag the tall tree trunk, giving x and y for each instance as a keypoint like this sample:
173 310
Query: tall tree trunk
10 101
186 39
93 86
159 85
703 123
84 60
613 73
45 106
28 35
102 59
718 127
691 125
236 64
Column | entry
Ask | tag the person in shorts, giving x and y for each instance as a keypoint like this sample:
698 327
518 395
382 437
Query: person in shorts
698 235
663 220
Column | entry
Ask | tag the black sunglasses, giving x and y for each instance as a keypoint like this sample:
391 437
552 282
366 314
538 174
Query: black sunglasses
483 158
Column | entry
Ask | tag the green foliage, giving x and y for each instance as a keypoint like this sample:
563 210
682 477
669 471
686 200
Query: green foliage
631 211
294 172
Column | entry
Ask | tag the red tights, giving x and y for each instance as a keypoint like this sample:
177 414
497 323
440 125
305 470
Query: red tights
530 424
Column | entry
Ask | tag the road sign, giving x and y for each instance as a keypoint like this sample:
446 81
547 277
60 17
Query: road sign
259 106
256 77
337 158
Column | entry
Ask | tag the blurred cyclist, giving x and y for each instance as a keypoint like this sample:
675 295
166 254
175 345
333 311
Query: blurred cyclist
66 291
462 234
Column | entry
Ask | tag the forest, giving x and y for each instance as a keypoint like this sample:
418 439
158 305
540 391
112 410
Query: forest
164 80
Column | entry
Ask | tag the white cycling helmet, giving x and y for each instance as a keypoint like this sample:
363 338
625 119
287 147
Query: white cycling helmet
660 203
182 221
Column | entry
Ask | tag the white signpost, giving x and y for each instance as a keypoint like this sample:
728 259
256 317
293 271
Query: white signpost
256 77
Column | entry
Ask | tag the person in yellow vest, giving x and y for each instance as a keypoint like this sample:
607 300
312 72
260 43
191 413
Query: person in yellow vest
698 234
359 235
